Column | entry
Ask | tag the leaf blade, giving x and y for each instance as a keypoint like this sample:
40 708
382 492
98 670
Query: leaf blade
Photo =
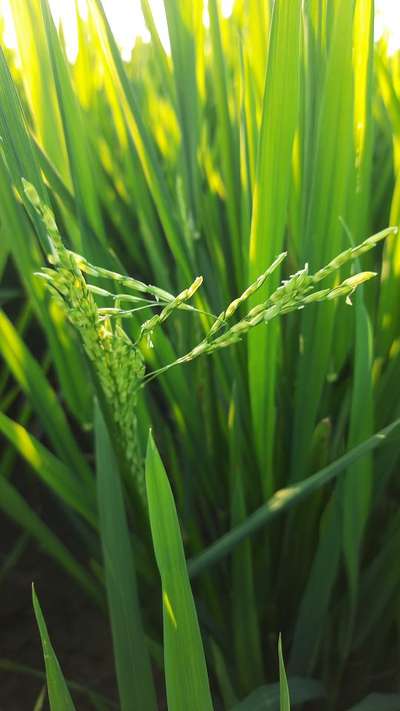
185 666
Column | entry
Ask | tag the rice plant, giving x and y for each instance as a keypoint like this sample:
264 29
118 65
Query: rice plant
201 243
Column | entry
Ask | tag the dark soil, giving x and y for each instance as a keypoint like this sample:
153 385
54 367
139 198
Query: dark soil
79 632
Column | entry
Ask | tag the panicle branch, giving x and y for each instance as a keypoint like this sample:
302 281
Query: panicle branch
124 363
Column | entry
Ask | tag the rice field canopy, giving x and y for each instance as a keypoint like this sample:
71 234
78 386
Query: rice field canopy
174 201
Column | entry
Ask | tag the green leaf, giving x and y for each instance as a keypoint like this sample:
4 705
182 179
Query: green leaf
14 506
59 696
144 145
50 469
99 702
284 695
357 484
267 698
13 556
76 141
313 608
383 702
269 213
185 665
38 81
135 683
29 375
246 629
323 233
20 161
285 499
228 141
376 599
183 20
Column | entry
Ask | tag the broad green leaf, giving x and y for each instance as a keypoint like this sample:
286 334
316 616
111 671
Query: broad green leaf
284 695
244 609
267 698
221 672
375 598
269 213
363 57
314 605
228 140
161 56
59 696
357 484
185 666
383 702
183 21
38 80
135 683
389 293
323 230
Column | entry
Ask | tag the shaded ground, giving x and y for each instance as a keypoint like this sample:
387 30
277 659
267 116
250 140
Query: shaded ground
78 630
